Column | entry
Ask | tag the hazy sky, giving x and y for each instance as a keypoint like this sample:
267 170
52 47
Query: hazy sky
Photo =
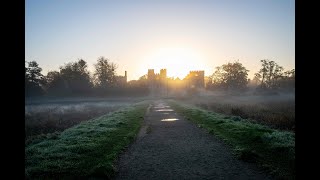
177 35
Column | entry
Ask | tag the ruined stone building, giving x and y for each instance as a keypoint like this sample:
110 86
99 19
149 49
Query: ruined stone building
158 82
195 79
121 81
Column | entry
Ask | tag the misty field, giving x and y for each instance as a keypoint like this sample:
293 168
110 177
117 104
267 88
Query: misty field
53 116
87 149
87 135
275 111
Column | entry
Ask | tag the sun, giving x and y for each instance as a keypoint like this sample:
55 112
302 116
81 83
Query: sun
177 61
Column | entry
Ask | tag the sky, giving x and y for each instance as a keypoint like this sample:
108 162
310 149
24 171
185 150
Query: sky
177 35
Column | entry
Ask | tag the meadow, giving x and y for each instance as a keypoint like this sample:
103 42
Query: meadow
45 116
83 137
276 111
87 149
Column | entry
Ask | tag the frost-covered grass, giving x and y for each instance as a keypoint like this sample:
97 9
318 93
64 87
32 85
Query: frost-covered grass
85 150
41 119
272 149
277 111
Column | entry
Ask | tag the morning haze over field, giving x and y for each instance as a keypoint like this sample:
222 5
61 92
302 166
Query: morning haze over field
192 89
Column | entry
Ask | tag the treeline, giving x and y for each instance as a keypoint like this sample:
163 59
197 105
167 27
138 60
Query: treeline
74 79
234 77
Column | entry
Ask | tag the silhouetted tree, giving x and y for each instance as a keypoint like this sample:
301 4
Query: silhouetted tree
76 77
269 74
288 80
56 85
290 74
139 87
143 78
217 78
231 76
255 81
73 78
33 79
104 73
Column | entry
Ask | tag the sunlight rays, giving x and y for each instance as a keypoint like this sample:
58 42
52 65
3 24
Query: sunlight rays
178 61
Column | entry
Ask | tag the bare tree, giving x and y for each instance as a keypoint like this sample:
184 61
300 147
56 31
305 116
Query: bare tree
269 74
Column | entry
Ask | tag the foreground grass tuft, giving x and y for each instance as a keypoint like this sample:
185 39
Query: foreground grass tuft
85 150
272 149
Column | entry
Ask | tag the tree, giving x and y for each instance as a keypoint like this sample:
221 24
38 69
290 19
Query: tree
218 76
55 84
52 76
256 79
104 73
76 77
269 74
33 72
290 74
143 81
138 87
33 79
288 79
231 76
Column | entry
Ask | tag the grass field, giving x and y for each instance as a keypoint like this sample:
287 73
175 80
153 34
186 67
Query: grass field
50 117
276 111
88 149
272 149
81 139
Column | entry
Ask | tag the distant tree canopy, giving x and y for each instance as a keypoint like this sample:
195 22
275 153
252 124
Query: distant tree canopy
77 77
271 76
55 84
33 79
104 75
231 76
143 81
73 78
288 79
138 87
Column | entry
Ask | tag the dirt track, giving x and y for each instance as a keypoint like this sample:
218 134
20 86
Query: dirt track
179 149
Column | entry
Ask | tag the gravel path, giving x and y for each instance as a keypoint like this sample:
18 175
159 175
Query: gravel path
169 147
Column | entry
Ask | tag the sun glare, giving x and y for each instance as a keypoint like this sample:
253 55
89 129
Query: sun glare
177 61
